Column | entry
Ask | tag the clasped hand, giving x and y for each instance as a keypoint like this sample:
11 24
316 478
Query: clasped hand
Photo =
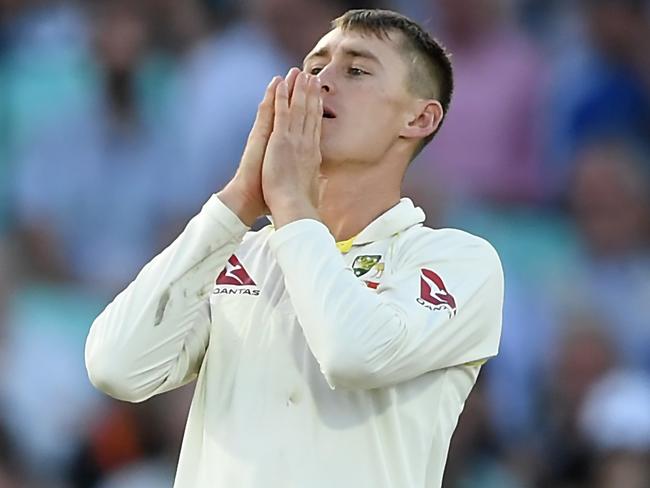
279 169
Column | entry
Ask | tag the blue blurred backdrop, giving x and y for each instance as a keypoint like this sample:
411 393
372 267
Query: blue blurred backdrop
118 119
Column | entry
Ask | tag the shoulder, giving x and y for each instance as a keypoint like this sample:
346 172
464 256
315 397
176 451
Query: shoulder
453 246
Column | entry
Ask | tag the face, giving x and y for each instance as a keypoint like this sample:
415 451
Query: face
609 207
121 39
613 27
365 96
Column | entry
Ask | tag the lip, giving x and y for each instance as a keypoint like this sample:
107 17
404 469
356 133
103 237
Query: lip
328 113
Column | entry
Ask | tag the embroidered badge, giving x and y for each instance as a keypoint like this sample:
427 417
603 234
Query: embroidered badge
434 294
363 264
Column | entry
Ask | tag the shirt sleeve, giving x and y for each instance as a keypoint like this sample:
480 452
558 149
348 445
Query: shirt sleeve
437 309
152 337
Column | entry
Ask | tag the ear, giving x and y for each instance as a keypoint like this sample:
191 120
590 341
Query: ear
423 120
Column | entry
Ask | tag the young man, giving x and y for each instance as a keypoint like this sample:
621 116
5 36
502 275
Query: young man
336 347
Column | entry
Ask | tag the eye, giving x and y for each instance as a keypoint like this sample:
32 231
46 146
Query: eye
315 70
356 71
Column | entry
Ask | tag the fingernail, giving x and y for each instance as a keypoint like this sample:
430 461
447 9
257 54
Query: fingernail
271 82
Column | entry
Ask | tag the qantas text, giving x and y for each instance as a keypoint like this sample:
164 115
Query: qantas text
235 291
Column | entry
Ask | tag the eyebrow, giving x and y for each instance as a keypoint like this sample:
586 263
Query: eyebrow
347 51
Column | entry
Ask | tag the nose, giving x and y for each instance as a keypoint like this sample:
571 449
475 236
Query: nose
326 77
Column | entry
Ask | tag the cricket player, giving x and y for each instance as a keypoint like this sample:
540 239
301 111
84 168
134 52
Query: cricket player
337 346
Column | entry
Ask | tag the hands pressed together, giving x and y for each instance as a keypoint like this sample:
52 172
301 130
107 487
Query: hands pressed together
279 169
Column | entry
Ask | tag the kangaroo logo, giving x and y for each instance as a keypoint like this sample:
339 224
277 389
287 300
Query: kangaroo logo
434 294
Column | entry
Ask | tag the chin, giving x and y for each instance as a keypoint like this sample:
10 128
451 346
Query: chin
334 150
326 151
331 153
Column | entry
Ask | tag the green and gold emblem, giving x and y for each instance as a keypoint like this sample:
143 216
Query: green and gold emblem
363 264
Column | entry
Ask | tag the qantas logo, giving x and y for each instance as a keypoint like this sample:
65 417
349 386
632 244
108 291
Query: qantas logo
234 274
434 294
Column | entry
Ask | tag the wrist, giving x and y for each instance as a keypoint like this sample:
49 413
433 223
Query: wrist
237 199
290 209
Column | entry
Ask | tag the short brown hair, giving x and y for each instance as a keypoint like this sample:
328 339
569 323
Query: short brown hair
430 75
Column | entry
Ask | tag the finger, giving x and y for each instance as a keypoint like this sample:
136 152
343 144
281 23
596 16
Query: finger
315 114
281 119
263 124
298 105
291 81
319 119
311 107
317 137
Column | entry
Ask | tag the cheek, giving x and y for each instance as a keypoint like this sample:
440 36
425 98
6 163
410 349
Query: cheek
368 126
362 136
373 114
377 123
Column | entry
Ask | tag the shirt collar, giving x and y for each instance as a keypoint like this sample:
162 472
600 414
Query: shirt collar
396 219
393 221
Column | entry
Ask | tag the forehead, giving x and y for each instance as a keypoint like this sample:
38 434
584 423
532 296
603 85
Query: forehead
338 42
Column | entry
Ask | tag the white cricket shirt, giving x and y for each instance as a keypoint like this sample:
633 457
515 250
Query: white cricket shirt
318 365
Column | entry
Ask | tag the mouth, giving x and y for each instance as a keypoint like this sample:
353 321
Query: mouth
328 113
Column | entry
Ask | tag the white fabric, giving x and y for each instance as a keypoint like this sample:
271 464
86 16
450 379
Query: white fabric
311 375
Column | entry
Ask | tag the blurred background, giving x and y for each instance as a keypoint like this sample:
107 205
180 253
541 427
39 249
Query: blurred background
119 118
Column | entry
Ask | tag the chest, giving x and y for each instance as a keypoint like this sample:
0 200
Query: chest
252 312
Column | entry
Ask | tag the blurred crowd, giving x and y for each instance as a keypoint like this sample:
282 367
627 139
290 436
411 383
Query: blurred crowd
118 119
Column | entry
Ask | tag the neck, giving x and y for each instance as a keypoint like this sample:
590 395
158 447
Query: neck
352 196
